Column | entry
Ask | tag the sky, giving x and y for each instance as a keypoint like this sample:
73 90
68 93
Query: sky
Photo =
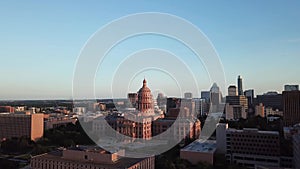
41 41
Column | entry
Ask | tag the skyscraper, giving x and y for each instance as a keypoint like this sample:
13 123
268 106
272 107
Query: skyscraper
236 105
205 95
132 97
232 90
240 85
188 95
215 94
270 99
250 96
291 107
291 87
296 149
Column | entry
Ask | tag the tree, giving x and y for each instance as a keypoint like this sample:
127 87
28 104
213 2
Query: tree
204 166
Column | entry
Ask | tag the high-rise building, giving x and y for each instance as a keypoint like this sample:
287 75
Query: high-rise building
236 107
89 157
250 96
188 103
173 102
162 102
260 110
216 103
232 90
133 98
215 95
201 106
188 95
291 87
296 150
291 107
18 125
240 85
205 95
270 99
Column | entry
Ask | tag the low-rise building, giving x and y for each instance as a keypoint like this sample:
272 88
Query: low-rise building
250 147
199 151
269 111
9 109
183 128
89 157
57 122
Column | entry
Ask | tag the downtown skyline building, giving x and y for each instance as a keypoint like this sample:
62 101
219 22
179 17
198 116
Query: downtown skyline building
236 106
291 107
240 85
296 149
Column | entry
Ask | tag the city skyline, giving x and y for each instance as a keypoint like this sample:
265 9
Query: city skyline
40 44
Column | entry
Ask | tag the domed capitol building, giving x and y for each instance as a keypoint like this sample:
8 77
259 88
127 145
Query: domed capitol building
145 103
145 120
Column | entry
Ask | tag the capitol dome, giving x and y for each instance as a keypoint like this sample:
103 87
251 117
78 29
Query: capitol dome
145 99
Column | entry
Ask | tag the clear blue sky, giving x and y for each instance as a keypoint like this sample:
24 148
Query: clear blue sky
40 41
